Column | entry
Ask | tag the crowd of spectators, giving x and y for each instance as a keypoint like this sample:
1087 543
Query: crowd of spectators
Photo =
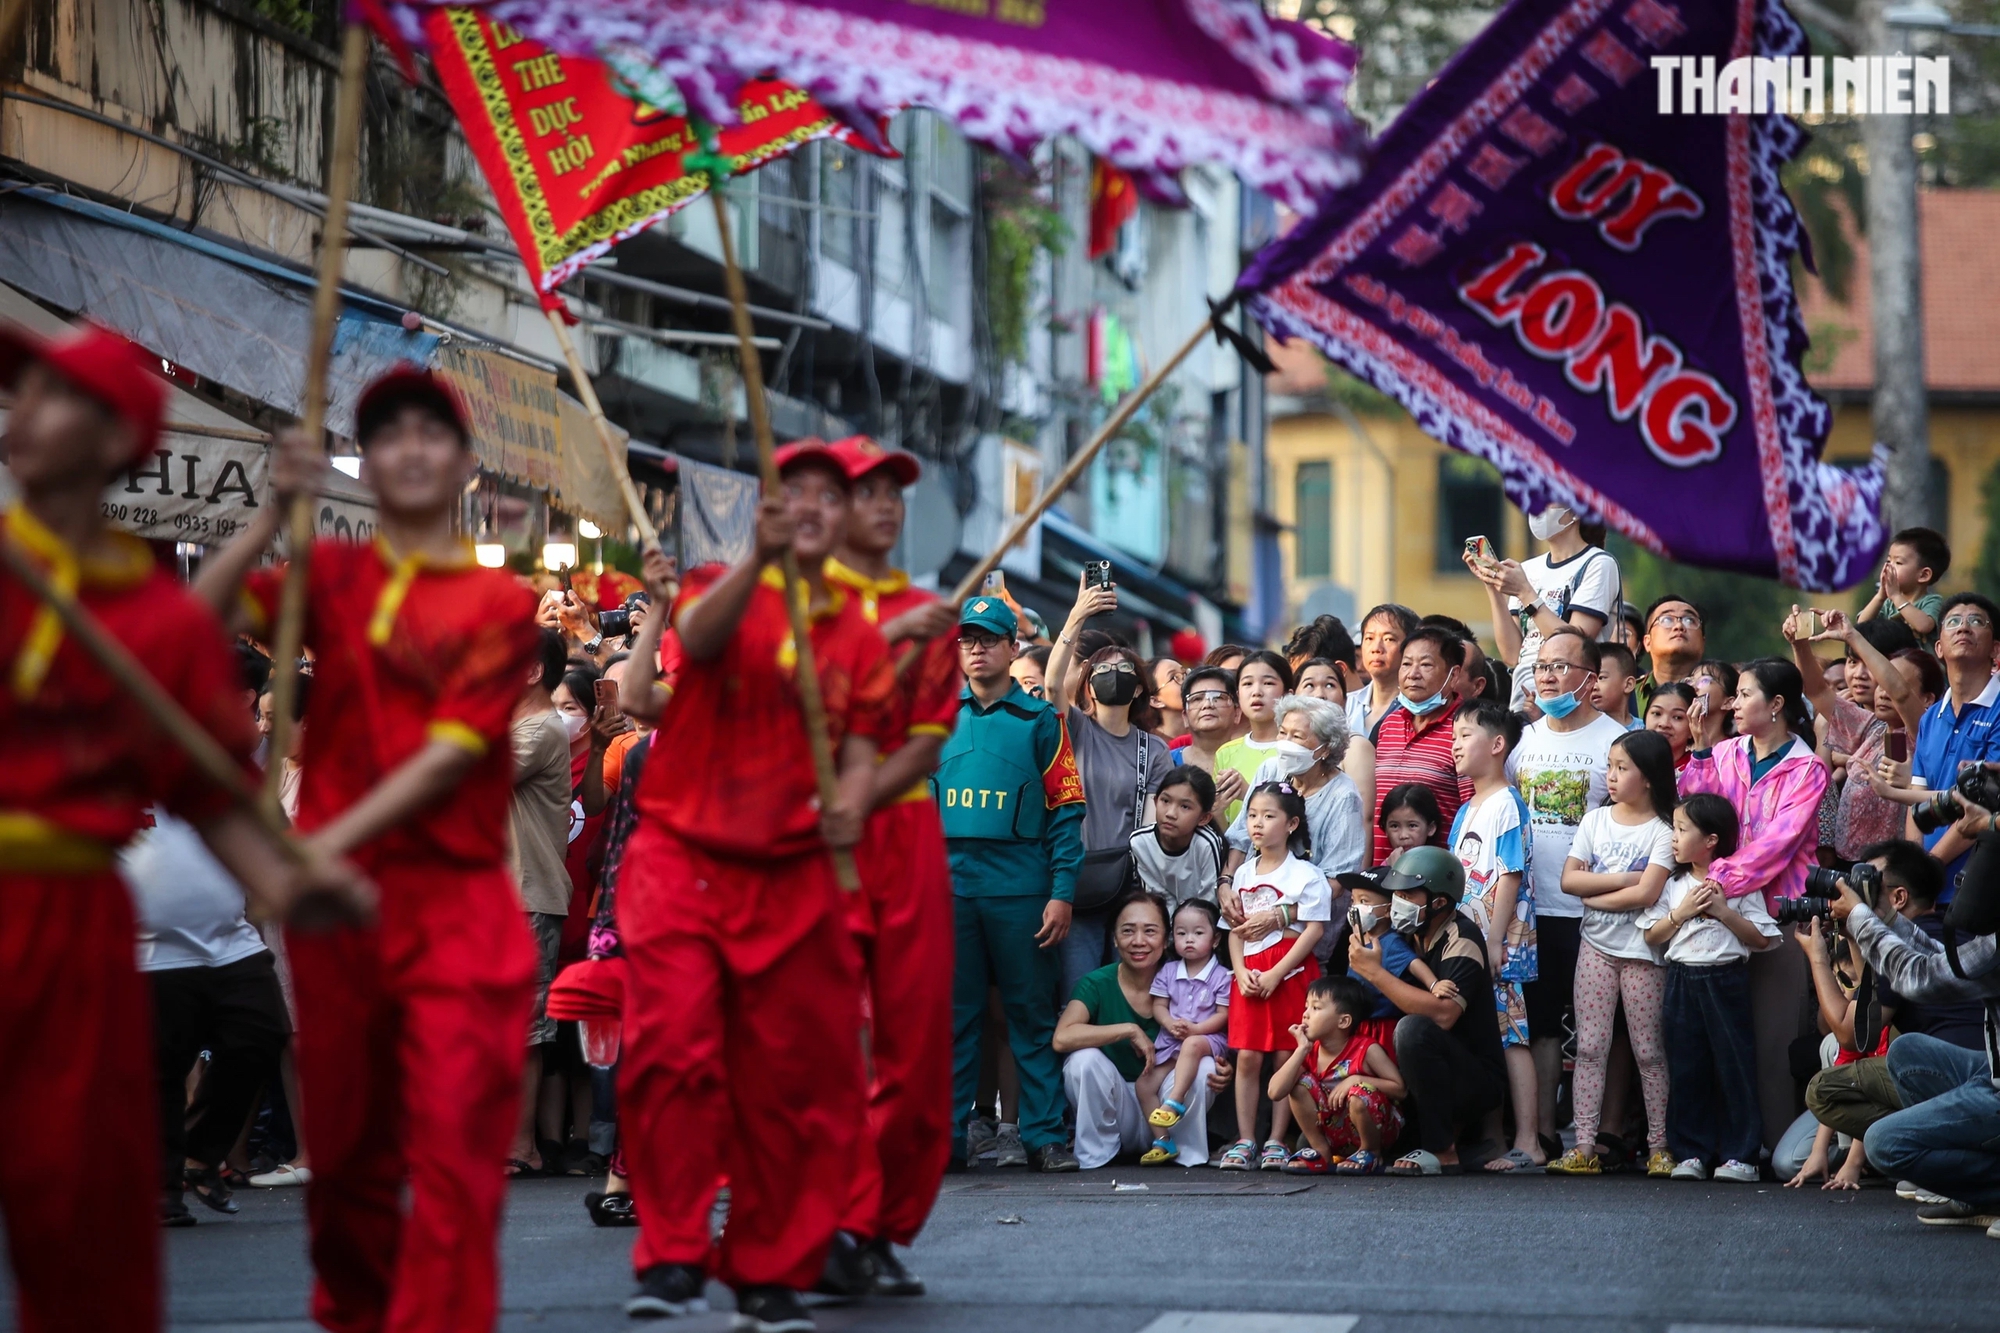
1375 902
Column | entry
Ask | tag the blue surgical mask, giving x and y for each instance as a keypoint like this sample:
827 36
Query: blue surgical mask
1560 706
1422 706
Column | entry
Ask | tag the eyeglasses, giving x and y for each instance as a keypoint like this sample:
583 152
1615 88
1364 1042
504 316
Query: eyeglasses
1684 619
1208 697
978 640
1111 668
1554 669
1967 622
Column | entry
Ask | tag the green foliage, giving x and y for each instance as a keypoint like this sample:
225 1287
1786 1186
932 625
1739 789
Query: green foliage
1402 45
1828 187
1021 226
1360 398
1740 614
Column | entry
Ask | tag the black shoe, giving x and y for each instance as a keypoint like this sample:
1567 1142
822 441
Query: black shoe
1052 1157
611 1210
892 1278
209 1186
666 1290
770 1310
849 1271
174 1210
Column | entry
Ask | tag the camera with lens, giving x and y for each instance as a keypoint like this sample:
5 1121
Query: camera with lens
1823 887
1977 784
614 624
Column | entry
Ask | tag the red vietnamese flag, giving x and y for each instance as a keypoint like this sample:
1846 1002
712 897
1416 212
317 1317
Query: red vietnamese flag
576 159
1113 201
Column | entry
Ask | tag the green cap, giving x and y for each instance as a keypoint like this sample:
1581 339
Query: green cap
1431 868
991 614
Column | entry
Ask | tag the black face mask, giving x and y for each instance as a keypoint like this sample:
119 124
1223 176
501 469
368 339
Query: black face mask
1114 687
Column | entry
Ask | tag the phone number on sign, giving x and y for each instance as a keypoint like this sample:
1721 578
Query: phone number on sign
130 514
200 525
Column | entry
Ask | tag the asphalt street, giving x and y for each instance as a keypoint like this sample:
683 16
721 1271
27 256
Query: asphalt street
1205 1252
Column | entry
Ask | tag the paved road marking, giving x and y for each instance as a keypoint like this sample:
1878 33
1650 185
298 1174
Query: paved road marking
1248 1321
1757 1328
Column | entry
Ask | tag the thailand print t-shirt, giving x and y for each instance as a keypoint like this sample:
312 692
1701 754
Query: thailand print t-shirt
1560 775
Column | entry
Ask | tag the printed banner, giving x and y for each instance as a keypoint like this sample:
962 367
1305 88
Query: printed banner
1555 271
576 156
718 513
516 427
1151 85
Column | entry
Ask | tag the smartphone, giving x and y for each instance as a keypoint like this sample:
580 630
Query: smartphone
1896 745
1812 624
1097 573
607 694
996 583
1481 549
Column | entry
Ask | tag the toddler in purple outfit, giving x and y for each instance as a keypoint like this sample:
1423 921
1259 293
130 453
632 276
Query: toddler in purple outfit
1191 1005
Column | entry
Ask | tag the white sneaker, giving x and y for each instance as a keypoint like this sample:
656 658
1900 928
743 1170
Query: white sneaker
1690 1168
1740 1173
1908 1189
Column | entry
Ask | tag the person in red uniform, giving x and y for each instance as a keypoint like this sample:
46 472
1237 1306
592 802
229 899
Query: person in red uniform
79 764
902 918
742 1002
410 1049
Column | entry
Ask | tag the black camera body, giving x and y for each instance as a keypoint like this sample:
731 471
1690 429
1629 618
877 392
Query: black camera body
1978 784
614 624
1823 887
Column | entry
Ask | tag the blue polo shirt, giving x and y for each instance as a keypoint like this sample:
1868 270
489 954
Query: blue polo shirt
1945 741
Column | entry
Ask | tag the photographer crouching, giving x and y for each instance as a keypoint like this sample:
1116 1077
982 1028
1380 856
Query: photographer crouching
1944 1138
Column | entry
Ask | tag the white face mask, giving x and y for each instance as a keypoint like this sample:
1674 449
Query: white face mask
1367 918
1405 916
1293 759
1550 521
574 725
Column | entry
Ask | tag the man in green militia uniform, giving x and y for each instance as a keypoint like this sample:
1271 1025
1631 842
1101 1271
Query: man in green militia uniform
1012 803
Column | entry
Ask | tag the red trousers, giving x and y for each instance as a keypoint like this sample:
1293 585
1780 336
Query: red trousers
742 1003
80 1178
902 921
412 1036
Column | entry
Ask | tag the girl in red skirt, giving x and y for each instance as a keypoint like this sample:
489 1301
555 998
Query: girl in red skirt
1286 903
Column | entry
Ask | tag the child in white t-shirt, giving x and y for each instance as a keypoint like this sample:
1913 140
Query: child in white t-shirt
1273 970
1618 865
1712 1112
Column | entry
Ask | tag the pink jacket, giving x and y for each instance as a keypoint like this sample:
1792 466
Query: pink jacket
1780 816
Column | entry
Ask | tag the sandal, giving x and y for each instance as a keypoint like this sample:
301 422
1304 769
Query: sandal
1167 1114
520 1170
611 1210
1577 1162
1308 1162
1423 1163
1274 1157
210 1187
1515 1162
1362 1163
1237 1156
1163 1153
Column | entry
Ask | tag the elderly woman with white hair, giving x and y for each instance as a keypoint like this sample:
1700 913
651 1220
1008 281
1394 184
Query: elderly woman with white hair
1312 741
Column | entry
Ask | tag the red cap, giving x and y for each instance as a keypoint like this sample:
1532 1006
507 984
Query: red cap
408 385
860 456
808 450
1187 646
99 363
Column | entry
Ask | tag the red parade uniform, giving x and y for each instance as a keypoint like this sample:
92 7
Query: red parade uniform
902 921
410 1049
742 991
79 764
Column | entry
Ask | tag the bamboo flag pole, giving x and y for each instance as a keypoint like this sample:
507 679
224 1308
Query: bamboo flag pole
970 584
648 535
207 753
810 700
326 313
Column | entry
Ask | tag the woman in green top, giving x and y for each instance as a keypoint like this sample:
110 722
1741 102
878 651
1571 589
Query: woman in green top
1263 679
1105 1036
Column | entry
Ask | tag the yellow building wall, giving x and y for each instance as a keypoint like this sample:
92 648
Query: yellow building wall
1384 494
1967 441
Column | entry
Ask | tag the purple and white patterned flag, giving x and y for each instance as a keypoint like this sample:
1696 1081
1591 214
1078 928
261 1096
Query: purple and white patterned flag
1150 85
1558 265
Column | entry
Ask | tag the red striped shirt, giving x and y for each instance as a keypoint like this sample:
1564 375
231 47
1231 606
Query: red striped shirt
1402 754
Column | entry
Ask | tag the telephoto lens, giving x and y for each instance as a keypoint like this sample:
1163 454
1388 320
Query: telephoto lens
1940 810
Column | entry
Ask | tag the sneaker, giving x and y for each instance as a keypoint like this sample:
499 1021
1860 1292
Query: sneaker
1007 1149
668 1290
770 1310
979 1135
1927 1197
1737 1173
1690 1168
1055 1157
282 1176
1993 1232
1909 1189
1576 1162
892 1276
1660 1166
1952 1213
848 1271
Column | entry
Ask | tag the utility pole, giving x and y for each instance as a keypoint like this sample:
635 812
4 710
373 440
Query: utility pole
1900 410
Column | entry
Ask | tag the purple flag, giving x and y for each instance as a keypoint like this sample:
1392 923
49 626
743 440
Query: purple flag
1151 85
1593 294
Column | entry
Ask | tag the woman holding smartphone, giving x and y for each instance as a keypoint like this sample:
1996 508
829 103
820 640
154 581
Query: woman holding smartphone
1861 818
